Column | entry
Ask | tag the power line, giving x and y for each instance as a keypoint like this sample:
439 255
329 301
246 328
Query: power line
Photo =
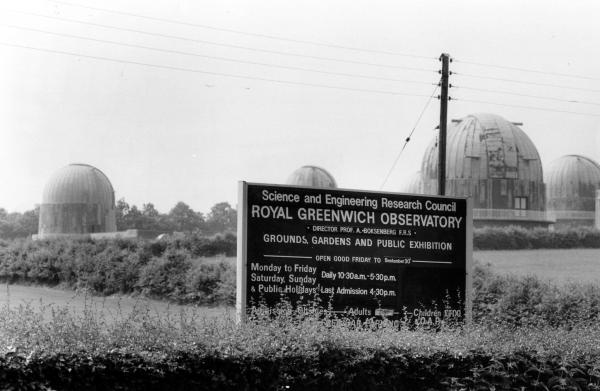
526 107
215 57
523 82
187 39
527 95
279 38
409 136
274 37
522 69
278 81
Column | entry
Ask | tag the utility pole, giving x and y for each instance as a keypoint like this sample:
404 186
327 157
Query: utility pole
445 59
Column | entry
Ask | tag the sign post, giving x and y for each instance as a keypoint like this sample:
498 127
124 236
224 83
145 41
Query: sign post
362 254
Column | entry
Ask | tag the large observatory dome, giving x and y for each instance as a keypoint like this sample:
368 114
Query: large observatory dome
311 176
571 184
78 199
493 161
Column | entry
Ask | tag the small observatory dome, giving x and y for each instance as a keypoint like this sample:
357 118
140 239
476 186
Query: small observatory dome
78 199
493 161
414 184
571 184
311 176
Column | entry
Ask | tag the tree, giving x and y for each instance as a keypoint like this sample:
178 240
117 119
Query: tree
221 218
150 211
19 225
121 210
128 216
133 218
6 227
150 218
27 224
184 219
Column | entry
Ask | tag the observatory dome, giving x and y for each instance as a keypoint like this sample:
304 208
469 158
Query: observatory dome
571 184
311 176
78 199
493 161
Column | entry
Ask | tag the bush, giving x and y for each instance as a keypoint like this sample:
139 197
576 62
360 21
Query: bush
165 277
201 246
174 269
55 348
211 282
518 238
527 334
332 369
178 269
528 301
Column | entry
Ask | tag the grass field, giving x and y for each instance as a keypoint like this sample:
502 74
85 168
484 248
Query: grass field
111 308
561 266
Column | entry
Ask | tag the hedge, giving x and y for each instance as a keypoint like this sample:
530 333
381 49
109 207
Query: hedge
332 369
186 270
510 346
518 238
171 271
530 301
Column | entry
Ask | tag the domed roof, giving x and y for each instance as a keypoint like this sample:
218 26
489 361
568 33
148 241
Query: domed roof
483 146
311 176
572 177
413 185
79 184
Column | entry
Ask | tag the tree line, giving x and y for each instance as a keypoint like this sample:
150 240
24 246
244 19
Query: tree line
181 218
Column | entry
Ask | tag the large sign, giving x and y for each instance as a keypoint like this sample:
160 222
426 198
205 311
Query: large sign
362 254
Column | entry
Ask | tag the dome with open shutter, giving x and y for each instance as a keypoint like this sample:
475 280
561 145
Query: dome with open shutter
493 161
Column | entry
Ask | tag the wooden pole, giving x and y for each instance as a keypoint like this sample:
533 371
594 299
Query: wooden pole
445 59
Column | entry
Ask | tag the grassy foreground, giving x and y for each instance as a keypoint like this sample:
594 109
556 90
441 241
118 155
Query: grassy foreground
48 346
60 348
528 334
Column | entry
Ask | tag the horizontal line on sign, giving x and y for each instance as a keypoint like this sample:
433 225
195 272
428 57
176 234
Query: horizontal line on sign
444 262
286 256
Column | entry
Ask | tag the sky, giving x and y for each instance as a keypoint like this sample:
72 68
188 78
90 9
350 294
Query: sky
179 100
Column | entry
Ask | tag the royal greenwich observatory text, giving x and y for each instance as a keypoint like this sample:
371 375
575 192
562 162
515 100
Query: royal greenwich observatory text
360 216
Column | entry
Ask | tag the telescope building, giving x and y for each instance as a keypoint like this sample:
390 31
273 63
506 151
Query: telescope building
311 176
571 185
493 161
77 200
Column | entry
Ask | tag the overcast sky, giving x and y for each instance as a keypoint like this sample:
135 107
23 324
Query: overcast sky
163 134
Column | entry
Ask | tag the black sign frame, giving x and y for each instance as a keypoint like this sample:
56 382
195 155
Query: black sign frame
249 242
